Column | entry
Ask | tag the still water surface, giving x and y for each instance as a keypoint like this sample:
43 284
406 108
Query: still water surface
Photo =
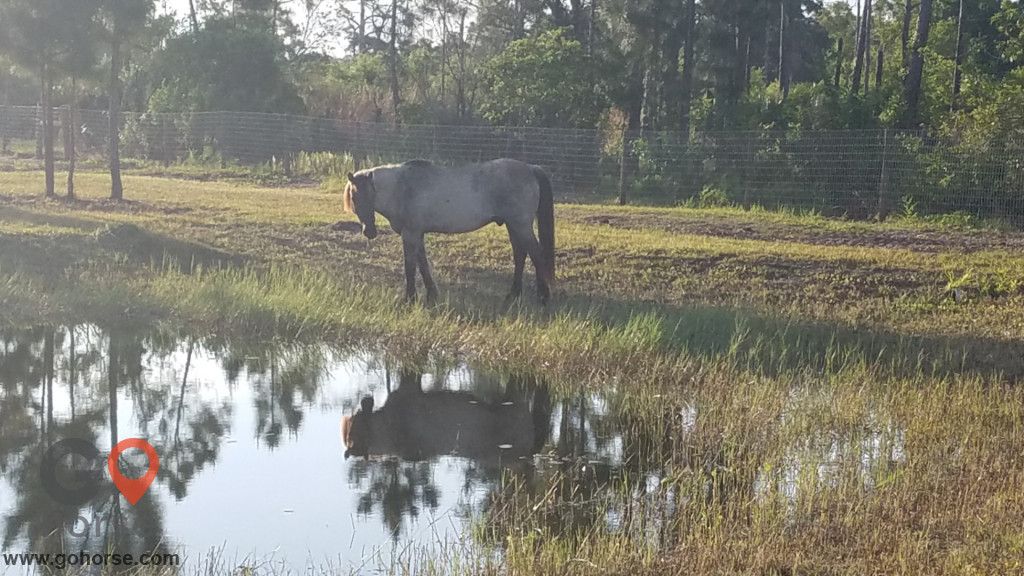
255 462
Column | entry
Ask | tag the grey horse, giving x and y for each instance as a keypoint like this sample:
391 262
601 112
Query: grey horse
419 197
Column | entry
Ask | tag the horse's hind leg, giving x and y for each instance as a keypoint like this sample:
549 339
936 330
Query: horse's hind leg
428 278
519 261
528 240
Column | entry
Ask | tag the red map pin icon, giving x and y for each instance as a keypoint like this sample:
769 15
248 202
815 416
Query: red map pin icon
133 488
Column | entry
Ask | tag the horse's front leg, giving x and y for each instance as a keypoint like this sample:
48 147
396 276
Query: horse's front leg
428 278
410 249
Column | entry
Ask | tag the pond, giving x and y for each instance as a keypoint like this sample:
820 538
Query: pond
297 455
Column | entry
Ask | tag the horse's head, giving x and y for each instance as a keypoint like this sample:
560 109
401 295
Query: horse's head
360 199
357 431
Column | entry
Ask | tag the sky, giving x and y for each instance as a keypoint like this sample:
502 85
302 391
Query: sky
181 7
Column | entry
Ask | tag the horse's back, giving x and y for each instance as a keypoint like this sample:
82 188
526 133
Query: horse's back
464 198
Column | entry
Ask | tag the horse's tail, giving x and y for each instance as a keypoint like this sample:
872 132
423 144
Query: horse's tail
546 221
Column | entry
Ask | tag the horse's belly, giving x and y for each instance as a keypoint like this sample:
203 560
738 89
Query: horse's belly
451 219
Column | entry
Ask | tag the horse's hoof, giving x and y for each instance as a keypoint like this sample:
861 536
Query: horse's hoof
431 298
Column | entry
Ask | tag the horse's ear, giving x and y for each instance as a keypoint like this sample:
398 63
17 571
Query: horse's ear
367 404
351 177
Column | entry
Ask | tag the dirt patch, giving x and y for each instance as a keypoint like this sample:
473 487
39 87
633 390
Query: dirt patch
924 241
846 278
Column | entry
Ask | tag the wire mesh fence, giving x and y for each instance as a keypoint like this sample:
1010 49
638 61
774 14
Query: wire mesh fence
853 173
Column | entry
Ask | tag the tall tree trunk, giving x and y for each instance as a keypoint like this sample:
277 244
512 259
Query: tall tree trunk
747 66
859 55
590 28
671 44
70 136
460 86
783 65
954 100
113 371
856 34
395 90
193 16
48 162
908 13
739 66
361 41
444 54
869 11
273 17
181 395
879 66
839 62
912 83
628 165
72 369
648 106
48 359
114 132
578 19
518 20
686 82
594 100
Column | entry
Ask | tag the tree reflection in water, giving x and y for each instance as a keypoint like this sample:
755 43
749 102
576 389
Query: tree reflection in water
501 445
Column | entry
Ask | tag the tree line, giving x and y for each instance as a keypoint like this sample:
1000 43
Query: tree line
950 67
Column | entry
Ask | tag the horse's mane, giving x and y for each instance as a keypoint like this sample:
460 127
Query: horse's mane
418 163
417 166
347 197
418 171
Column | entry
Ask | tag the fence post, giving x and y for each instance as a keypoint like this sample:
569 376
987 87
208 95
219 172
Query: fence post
3 128
5 121
623 161
38 133
748 169
883 174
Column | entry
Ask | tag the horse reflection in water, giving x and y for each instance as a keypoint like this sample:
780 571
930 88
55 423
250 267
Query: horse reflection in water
414 424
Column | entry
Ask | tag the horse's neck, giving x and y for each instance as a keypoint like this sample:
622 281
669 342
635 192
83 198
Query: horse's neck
388 197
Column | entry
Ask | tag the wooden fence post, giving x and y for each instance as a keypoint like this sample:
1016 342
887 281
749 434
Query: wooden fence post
883 176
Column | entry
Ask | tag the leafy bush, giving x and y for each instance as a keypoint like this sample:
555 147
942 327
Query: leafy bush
540 81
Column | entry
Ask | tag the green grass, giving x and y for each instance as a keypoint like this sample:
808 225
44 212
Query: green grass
815 399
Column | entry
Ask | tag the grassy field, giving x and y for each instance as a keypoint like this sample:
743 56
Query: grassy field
824 396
